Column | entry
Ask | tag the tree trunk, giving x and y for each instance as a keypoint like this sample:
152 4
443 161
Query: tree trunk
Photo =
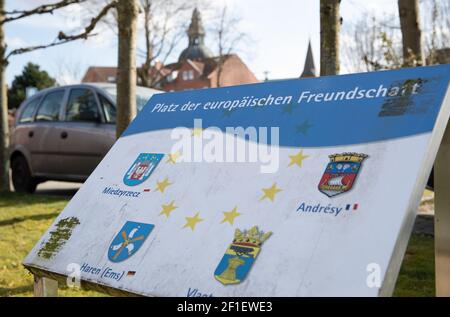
4 127
330 24
411 34
127 12
144 71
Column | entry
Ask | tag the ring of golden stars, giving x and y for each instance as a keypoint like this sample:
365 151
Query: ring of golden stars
173 157
229 216
270 192
191 222
297 159
161 186
167 209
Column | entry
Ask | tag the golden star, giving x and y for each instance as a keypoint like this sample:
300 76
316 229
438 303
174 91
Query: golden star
191 222
161 186
297 159
197 132
270 192
167 209
173 157
230 216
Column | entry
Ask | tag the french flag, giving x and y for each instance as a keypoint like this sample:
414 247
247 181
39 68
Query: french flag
349 206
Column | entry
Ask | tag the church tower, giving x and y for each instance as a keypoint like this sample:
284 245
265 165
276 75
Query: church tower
196 49
310 69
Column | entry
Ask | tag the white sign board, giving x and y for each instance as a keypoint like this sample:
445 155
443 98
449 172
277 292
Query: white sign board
292 188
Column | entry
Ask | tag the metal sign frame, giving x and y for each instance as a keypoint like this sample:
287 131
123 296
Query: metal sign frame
438 152
442 212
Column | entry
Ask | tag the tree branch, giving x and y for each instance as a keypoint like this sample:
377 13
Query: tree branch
63 38
88 29
43 9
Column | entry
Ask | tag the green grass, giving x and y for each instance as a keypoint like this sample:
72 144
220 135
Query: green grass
416 276
24 218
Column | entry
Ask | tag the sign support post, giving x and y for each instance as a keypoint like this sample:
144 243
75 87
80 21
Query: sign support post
442 216
45 287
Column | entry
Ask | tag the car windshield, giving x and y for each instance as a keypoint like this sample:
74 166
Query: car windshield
142 95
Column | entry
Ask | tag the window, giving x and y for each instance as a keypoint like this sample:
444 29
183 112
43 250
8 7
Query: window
82 106
50 106
143 94
28 112
111 79
188 74
108 108
172 76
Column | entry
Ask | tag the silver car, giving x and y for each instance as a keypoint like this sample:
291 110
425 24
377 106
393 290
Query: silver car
62 133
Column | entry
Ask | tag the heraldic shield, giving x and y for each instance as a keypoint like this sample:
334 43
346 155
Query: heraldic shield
240 256
128 240
340 174
142 168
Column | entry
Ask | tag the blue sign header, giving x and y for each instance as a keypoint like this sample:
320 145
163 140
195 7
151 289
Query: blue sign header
313 112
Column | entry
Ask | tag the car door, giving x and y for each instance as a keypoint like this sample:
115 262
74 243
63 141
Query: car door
23 133
85 136
42 134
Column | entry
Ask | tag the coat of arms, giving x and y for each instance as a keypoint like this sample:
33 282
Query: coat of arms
128 241
142 168
340 174
240 255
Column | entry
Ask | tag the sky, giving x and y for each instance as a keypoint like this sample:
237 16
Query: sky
278 32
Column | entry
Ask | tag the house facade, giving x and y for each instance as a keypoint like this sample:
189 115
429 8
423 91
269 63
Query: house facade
196 67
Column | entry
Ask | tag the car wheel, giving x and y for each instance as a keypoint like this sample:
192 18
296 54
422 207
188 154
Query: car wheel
22 180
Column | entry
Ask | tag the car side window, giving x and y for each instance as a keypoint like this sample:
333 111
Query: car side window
50 106
82 106
108 108
28 111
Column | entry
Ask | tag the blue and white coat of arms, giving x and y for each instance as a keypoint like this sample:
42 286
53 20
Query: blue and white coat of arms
128 240
142 168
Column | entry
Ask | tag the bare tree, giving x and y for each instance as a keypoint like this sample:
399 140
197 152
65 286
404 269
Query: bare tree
68 70
62 38
436 31
163 24
164 27
411 33
375 43
4 131
228 36
371 44
127 13
330 24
